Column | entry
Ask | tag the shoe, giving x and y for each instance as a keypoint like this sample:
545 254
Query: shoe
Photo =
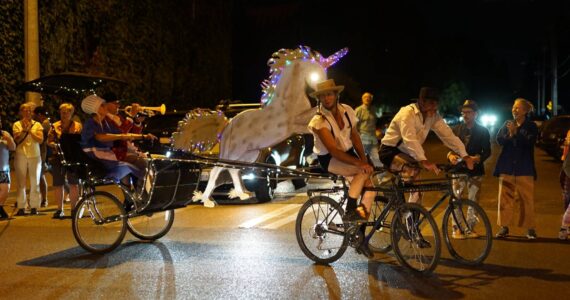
471 235
58 214
3 214
457 235
353 216
531 234
503 232
563 234
421 242
44 203
34 211
20 212
365 250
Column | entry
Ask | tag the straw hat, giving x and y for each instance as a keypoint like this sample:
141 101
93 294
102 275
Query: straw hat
326 86
91 104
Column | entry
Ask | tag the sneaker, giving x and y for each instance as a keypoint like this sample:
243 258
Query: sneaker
44 203
457 235
20 212
563 234
503 232
471 235
531 234
34 211
58 214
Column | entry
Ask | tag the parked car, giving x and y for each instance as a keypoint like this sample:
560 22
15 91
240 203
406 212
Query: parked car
552 136
289 153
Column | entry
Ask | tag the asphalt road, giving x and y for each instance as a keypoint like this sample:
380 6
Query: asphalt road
250 252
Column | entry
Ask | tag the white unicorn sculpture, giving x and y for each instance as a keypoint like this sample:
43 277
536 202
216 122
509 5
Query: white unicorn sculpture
287 110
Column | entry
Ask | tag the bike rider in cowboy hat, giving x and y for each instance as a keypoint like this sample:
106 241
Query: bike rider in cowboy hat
340 151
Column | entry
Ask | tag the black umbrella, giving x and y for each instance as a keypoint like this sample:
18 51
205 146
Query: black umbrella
68 84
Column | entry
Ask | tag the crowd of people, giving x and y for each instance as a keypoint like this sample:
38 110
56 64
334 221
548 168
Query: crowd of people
348 143
106 136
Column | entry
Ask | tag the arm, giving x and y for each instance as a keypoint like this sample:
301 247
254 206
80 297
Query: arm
8 140
37 132
526 136
503 138
357 143
485 146
110 137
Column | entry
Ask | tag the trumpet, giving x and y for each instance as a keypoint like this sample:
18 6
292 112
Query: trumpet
148 109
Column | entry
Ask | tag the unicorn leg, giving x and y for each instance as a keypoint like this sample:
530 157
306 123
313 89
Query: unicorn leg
205 197
239 189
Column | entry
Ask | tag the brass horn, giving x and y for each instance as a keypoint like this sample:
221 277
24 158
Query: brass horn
148 109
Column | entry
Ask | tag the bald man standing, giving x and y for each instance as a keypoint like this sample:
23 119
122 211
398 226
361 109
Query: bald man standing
366 114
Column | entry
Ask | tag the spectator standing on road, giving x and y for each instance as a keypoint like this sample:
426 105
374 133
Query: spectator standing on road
565 184
41 116
28 135
340 151
7 144
407 132
476 139
366 126
516 170
65 125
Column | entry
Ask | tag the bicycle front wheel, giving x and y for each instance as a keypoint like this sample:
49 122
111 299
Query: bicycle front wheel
320 231
99 222
415 238
151 226
467 232
381 240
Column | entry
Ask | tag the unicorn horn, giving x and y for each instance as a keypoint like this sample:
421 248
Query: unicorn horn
331 60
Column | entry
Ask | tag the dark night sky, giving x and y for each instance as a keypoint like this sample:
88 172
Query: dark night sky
493 46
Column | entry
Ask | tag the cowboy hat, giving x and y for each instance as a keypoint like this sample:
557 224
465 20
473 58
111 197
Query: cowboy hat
326 86
469 104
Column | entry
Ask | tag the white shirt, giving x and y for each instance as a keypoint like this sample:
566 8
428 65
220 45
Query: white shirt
408 125
342 136
28 147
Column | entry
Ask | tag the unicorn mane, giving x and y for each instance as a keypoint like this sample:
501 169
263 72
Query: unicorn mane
277 63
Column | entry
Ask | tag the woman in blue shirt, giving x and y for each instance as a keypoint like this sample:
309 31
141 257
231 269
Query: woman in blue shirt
516 170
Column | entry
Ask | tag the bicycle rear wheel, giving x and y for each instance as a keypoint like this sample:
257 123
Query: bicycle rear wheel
415 238
381 241
472 241
99 222
320 231
151 226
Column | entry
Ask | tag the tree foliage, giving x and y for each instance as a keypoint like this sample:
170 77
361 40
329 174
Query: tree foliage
452 97
174 52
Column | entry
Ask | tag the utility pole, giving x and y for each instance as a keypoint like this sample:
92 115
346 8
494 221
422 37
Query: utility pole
554 62
543 78
31 47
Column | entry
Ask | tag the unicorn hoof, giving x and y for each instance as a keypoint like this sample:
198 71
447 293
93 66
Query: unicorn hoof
242 196
209 203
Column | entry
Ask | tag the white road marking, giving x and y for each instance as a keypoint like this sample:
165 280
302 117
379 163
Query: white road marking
281 222
269 215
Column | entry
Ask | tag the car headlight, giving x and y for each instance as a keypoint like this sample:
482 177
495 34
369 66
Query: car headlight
488 120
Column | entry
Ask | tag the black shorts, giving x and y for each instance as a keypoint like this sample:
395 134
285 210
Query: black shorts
324 160
4 177
387 154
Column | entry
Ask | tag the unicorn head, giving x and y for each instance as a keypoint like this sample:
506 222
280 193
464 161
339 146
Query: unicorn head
301 66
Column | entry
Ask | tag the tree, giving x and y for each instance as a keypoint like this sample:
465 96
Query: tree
452 96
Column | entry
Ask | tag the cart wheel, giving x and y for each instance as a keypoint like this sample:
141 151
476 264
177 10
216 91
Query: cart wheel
264 190
99 222
151 226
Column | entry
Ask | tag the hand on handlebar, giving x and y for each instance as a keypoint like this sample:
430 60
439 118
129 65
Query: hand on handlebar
454 159
366 168
469 162
430 166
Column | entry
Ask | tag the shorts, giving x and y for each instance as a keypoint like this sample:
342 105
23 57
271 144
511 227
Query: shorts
324 160
387 154
4 177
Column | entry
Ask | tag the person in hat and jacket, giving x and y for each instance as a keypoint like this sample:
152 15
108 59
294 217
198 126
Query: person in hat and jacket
477 141
340 151
408 130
